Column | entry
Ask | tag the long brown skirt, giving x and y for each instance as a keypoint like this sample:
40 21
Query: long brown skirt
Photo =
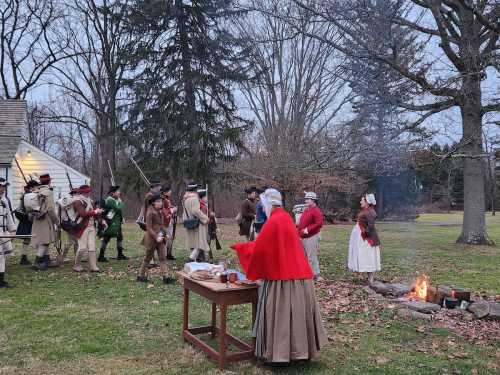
288 326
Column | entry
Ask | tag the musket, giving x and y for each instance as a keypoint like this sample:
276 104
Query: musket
16 236
212 229
11 237
69 180
111 174
58 242
20 170
174 224
140 171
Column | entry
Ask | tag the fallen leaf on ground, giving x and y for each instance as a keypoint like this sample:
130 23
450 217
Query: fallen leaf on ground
382 360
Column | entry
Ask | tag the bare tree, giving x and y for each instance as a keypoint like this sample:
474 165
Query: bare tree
31 42
296 92
466 33
94 74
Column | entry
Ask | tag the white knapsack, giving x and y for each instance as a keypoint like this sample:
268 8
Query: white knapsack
32 202
67 210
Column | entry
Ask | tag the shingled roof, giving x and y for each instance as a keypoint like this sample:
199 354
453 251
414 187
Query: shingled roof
12 128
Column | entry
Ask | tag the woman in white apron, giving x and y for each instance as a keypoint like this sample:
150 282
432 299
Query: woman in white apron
364 245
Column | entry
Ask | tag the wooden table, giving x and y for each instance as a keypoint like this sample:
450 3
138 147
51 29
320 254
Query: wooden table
220 295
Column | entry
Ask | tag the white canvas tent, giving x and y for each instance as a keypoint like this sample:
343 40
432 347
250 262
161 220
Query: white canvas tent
33 161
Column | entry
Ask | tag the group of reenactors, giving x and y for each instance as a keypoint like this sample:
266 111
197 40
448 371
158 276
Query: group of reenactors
41 219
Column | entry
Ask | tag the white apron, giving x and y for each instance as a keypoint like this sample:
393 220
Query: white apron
362 256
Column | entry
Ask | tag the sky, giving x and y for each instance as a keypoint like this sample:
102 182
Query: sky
447 124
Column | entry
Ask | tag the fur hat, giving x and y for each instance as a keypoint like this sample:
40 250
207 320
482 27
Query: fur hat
45 179
31 184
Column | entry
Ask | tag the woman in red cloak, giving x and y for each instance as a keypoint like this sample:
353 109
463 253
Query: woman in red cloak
288 325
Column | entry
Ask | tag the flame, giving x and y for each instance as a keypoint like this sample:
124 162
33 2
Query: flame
421 286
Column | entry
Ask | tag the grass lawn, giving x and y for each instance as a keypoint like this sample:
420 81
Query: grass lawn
58 322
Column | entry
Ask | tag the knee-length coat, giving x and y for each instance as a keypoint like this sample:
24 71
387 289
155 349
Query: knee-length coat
43 229
195 238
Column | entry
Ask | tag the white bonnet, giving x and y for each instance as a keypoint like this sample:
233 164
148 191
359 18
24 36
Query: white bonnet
370 199
273 197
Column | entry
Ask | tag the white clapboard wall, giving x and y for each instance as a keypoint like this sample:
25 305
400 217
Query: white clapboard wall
35 162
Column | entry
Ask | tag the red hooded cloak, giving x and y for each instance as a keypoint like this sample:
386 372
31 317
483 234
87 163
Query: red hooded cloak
277 254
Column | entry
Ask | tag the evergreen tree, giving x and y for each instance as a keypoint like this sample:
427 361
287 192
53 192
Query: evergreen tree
187 63
383 131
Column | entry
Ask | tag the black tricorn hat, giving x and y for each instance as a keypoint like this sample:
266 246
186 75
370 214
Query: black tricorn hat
250 190
154 183
113 188
191 186
155 197
165 188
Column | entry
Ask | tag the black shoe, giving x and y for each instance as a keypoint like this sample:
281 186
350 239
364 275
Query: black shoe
50 263
121 257
102 259
24 261
170 257
168 280
142 279
5 284
40 264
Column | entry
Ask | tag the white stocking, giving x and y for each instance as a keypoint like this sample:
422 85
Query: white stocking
2 263
194 254
24 249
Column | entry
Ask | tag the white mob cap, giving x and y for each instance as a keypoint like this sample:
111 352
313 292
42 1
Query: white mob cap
370 199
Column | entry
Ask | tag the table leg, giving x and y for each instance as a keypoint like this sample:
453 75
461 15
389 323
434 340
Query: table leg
254 316
214 320
185 322
222 336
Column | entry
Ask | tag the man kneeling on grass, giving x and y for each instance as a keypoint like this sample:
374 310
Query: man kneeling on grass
155 239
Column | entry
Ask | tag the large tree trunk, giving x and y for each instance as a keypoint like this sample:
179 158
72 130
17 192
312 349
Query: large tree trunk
474 224
189 93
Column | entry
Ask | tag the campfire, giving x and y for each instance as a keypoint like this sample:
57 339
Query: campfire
424 294
420 289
